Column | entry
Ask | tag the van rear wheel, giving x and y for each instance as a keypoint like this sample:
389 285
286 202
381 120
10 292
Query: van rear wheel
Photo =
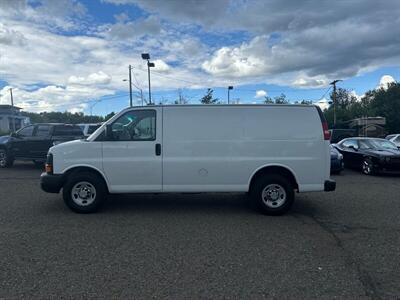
84 192
272 194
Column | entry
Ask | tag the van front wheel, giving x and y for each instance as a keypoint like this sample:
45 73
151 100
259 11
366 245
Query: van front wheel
272 194
84 192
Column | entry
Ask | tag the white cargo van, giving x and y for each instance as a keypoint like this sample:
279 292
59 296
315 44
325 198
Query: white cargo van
270 151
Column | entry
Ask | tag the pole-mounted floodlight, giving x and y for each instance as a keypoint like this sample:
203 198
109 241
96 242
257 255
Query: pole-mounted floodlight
229 88
146 56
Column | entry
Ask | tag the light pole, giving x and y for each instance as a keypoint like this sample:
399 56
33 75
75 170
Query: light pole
229 88
130 85
146 56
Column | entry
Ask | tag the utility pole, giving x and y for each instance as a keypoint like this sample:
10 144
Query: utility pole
130 85
334 100
12 99
12 108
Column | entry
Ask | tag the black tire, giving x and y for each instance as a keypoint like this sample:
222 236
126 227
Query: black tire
367 167
88 181
275 184
5 160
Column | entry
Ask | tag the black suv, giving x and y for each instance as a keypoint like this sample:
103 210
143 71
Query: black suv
32 142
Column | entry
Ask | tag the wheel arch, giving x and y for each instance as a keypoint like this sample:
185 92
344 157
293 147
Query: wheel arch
279 169
85 168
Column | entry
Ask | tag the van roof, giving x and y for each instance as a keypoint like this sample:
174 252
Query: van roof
225 105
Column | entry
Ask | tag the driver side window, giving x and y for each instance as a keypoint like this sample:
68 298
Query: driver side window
137 125
26 132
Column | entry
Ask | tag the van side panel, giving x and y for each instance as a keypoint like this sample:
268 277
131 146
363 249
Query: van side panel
218 149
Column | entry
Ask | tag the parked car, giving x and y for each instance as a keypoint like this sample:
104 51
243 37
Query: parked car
336 160
88 129
370 155
394 138
33 142
270 151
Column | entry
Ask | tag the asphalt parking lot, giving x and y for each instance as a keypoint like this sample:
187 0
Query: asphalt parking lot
344 244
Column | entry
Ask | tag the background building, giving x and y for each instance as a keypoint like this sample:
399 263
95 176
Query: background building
11 118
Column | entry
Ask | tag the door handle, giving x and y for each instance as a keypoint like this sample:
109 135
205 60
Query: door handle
158 149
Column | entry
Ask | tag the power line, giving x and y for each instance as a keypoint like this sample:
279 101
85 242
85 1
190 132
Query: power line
328 89
172 78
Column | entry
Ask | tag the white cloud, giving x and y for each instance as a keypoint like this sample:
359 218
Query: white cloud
357 96
260 94
65 14
205 12
94 78
53 97
248 59
125 30
8 36
305 82
161 66
385 81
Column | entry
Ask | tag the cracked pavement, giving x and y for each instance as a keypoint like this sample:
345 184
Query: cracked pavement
344 244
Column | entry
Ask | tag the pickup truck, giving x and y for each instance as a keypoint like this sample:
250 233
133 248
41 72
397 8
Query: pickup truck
32 142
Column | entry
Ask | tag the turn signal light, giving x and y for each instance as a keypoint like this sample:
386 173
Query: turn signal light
49 168
49 164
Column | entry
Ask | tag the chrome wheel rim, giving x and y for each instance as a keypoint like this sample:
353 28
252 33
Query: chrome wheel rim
273 195
367 168
3 158
83 193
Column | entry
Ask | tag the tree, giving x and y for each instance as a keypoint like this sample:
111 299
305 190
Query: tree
375 103
208 98
65 117
181 98
109 116
281 99
307 102
268 100
346 108
386 103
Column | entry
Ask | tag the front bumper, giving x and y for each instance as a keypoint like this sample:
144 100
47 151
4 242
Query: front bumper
51 183
337 165
329 185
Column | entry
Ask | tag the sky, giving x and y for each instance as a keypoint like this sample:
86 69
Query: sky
73 55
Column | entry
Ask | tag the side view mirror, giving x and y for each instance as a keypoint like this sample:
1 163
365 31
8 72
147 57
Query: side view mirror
109 132
14 134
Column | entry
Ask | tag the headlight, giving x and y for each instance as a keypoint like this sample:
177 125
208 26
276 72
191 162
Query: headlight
340 156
